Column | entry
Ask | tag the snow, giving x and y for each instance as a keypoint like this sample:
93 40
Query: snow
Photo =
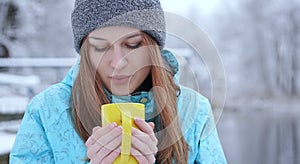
37 62
8 131
13 105
28 81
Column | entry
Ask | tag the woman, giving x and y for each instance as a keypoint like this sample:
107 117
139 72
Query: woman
121 60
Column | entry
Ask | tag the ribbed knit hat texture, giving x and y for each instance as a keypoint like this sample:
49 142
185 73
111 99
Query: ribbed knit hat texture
146 15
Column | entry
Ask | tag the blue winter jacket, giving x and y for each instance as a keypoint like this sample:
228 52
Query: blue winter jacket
47 134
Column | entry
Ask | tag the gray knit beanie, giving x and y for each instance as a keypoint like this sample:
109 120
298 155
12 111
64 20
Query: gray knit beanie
146 15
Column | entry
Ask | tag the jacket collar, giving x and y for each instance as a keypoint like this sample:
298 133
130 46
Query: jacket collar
145 98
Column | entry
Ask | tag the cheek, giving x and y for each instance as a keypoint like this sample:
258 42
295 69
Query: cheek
94 59
140 59
143 72
139 77
97 62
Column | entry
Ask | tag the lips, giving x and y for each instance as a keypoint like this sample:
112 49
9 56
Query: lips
120 79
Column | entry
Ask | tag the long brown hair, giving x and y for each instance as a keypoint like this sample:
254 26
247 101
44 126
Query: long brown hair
88 95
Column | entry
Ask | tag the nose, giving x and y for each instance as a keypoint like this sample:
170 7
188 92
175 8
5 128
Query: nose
118 59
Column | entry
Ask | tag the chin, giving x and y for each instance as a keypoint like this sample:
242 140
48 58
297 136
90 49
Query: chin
120 92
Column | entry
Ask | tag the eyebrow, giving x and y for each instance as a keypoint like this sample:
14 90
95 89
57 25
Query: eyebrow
96 38
132 36
135 35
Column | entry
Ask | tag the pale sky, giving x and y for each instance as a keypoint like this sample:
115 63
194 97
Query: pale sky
180 6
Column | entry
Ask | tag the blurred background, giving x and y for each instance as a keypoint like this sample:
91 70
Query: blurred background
258 42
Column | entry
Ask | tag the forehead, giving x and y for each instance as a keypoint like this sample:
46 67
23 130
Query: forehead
114 33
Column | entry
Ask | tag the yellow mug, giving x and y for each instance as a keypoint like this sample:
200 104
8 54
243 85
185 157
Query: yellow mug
123 114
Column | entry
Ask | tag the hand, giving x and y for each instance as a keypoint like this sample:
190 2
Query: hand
104 145
144 142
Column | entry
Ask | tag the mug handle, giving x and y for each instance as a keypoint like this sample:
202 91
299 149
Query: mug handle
126 136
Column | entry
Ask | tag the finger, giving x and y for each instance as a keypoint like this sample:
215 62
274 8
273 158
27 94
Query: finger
109 148
104 138
95 161
96 128
143 125
108 137
91 140
144 137
152 136
99 130
141 142
112 156
103 141
140 157
152 125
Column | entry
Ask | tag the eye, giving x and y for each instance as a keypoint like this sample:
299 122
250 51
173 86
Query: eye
100 49
134 45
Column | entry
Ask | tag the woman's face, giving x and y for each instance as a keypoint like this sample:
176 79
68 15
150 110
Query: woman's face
120 57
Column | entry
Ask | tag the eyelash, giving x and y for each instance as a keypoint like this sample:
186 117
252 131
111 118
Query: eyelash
127 45
101 49
134 46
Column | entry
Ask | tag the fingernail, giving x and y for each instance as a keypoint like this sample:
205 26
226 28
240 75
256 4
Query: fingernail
95 128
114 124
137 119
119 128
153 124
